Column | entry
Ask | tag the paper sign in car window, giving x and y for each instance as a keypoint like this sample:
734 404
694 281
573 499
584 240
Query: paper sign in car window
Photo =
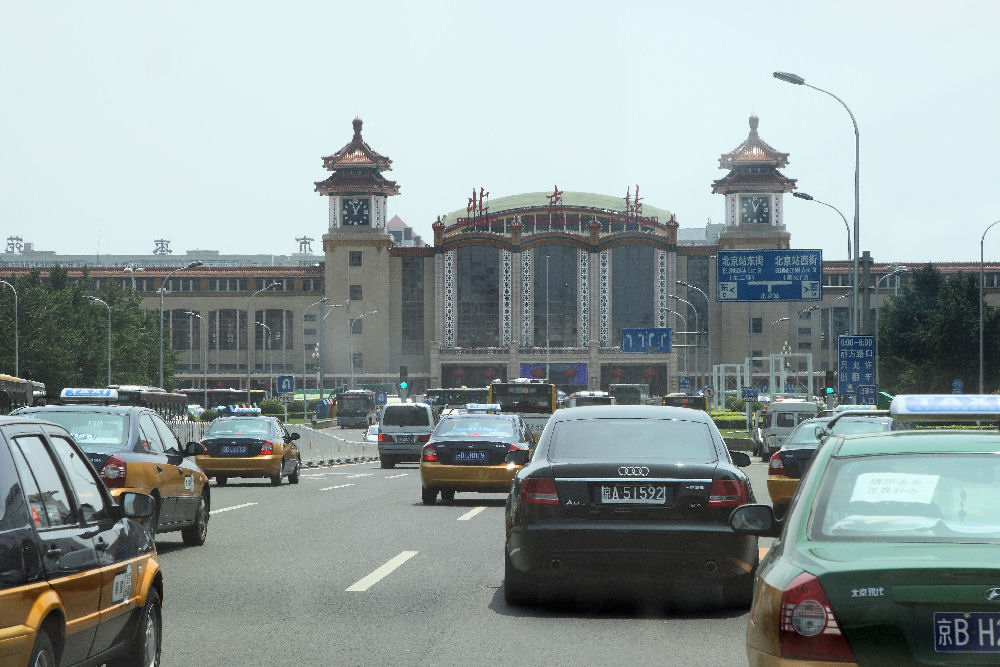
898 487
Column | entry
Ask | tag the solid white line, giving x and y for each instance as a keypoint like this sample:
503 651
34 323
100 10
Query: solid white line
382 572
339 486
395 476
232 507
471 513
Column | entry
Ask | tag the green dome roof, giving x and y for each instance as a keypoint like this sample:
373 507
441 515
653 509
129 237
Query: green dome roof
569 199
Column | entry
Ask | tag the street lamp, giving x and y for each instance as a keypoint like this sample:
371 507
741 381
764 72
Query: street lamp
17 352
267 347
697 339
808 197
982 240
204 353
799 81
770 349
801 313
350 340
547 317
250 331
321 301
829 328
131 270
94 298
320 380
895 269
708 318
683 319
163 288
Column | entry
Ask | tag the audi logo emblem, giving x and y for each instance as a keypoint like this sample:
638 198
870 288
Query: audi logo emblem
992 594
633 471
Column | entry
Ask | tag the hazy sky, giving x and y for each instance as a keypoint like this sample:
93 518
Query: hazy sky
205 122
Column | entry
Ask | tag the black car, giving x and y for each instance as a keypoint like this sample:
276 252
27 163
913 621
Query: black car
629 496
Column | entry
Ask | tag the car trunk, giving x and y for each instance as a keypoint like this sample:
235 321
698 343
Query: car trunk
233 447
470 452
796 459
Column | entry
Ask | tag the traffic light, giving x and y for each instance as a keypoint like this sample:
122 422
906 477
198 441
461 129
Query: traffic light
830 385
403 380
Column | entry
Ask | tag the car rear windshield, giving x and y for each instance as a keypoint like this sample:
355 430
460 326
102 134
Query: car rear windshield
464 427
628 438
909 498
238 427
406 415
93 431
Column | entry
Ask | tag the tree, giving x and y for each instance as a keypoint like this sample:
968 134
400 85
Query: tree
929 335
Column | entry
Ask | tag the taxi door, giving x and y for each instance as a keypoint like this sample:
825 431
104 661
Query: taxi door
189 492
68 552
165 479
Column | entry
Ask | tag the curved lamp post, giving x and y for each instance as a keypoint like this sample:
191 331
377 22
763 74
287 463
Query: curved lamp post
800 314
163 288
770 349
788 77
204 353
808 197
708 318
321 301
267 347
250 331
829 329
982 241
683 319
350 340
697 327
895 270
17 352
94 298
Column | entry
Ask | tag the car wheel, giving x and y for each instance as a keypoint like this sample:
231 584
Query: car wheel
43 654
387 462
429 495
780 510
737 593
195 534
294 477
145 647
276 479
220 480
517 586
448 495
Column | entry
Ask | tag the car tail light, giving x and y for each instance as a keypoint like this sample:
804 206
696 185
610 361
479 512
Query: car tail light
808 627
429 453
775 466
384 437
424 438
204 446
515 447
727 492
113 472
267 448
539 490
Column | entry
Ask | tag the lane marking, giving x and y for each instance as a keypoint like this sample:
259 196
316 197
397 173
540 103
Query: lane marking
339 486
363 474
395 476
762 551
318 475
231 507
382 572
471 513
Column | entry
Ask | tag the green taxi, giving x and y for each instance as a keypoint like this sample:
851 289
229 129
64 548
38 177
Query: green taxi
890 551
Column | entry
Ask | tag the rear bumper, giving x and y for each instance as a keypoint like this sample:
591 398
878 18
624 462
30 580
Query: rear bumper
757 658
254 466
484 479
781 488
400 451
626 550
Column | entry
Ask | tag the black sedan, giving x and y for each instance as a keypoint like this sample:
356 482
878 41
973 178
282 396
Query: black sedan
629 497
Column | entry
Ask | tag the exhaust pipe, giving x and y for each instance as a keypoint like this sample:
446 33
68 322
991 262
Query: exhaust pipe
555 564
711 566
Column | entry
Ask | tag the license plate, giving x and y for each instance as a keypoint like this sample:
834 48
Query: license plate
475 456
234 449
639 494
404 439
967 632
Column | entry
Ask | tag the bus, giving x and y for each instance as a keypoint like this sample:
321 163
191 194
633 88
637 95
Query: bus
17 392
630 394
533 400
170 404
455 397
692 401
222 399
356 408
581 398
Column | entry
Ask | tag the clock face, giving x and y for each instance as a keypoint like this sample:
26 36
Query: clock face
355 212
755 209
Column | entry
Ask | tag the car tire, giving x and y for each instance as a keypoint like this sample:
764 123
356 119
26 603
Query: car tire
195 534
428 494
220 480
276 479
294 477
780 509
386 462
43 653
737 593
517 586
448 495
145 647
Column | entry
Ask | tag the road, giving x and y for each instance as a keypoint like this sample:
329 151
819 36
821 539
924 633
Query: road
349 568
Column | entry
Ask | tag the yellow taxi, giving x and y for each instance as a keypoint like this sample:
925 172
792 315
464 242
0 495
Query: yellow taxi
79 580
478 451
250 447
134 450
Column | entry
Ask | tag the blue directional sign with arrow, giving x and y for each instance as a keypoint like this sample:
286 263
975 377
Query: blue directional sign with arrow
648 339
286 384
769 275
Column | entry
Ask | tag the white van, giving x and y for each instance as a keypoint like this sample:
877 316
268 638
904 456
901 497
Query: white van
779 419
403 430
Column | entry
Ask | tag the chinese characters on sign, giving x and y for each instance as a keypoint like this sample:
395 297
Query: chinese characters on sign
856 365
769 275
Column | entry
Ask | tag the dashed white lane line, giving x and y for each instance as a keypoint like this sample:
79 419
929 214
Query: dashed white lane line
400 475
363 474
381 573
231 507
471 513
339 486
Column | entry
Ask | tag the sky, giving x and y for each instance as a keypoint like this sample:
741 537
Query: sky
205 123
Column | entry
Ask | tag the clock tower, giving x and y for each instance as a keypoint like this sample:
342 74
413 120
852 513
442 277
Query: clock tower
754 189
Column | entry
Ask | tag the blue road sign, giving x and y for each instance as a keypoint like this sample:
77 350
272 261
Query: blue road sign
957 386
749 393
286 384
867 394
855 363
381 398
644 340
684 384
769 275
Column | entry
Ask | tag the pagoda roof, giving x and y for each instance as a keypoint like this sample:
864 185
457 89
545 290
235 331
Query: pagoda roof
357 155
754 152
766 179
356 182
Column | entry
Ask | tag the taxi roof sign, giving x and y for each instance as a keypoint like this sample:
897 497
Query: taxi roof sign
88 394
482 407
945 407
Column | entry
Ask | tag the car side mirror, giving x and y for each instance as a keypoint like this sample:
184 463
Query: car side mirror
293 436
137 505
518 457
741 459
194 449
755 520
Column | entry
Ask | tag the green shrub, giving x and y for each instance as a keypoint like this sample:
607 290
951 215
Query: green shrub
729 420
271 407
208 415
